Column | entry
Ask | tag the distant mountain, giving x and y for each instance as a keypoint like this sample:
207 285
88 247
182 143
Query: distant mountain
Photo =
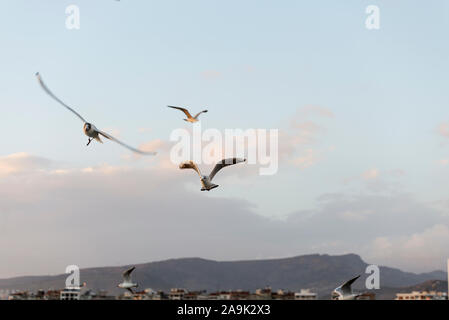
321 273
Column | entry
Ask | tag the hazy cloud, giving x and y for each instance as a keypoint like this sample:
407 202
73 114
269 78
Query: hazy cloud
428 248
298 142
211 74
312 110
307 159
443 129
371 174
109 215
22 162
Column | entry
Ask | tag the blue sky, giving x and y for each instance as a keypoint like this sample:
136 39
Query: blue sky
253 64
130 59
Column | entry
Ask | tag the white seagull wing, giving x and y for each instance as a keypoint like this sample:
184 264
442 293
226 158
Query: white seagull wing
190 165
224 163
186 112
108 136
127 274
41 82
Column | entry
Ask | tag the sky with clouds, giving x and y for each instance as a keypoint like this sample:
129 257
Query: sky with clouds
362 119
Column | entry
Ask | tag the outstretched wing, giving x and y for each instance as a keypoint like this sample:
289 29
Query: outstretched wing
187 113
196 116
346 287
56 98
190 165
108 136
224 163
127 274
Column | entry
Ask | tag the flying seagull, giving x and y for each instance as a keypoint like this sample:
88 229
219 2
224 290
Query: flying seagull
187 113
206 181
89 129
344 292
127 281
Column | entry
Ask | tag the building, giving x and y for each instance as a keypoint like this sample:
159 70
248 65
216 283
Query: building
177 294
422 295
70 293
283 295
194 295
214 296
305 294
101 295
20 295
263 294
233 295
150 294
126 295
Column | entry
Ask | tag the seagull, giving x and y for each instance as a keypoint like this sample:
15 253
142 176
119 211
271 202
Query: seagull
89 129
206 181
344 292
127 281
187 113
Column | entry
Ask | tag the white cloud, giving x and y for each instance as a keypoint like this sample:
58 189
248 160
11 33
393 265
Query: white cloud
378 181
443 129
109 215
425 250
309 158
298 142
371 174
21 162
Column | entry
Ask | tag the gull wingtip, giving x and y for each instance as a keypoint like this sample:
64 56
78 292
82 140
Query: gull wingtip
148 153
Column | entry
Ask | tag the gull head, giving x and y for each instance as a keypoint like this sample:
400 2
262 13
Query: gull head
87 126
335 295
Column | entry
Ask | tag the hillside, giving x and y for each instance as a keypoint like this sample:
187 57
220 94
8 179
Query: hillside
321 273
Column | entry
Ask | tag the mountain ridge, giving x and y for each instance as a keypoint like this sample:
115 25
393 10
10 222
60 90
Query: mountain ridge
319 272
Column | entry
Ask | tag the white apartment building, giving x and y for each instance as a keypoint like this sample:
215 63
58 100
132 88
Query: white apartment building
70 293
305 294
